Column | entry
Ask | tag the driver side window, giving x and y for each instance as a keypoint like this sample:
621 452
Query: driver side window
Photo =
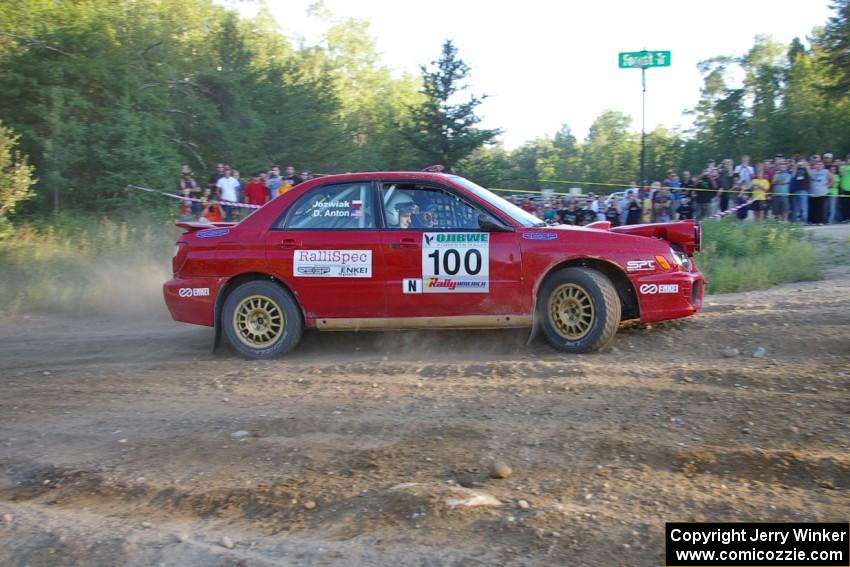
408 206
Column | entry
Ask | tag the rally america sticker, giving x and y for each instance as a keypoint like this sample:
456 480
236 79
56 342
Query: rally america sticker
455 262
332 264
652 289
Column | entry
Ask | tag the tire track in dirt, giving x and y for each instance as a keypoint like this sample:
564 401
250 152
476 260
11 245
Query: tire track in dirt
107 425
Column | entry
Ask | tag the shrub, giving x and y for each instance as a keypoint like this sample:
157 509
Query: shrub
741 256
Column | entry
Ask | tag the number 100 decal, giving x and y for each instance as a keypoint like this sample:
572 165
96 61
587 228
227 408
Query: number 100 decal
456 262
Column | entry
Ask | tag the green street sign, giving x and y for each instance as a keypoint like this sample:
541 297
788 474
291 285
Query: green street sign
644 59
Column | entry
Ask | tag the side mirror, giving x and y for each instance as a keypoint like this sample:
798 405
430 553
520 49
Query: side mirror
489 224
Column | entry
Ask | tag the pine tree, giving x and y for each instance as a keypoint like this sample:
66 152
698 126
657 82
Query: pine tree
836 47
444 131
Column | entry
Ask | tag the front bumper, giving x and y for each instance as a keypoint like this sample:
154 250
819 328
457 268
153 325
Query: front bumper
669 295
192 300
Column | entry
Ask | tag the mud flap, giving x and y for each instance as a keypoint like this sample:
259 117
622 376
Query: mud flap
217 320
216 334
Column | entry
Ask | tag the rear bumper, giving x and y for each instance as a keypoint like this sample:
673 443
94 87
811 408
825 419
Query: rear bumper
191 300
669 296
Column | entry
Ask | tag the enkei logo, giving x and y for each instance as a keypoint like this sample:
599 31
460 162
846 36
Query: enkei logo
353 271
194 292
652 289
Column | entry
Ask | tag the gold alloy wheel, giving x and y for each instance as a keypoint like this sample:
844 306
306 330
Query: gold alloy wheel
571 311
258 321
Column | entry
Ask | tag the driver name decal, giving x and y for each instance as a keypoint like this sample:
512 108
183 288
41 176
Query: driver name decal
456 262
332 264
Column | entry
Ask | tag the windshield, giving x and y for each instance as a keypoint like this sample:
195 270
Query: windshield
520 216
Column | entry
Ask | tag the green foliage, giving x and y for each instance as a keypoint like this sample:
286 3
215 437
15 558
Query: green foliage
124 92
835 48
794 100
611 150
15 179
740 256
442 130
106 93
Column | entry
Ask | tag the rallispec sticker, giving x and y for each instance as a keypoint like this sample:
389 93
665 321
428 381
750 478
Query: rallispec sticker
332 263
456 262
640 265
193 292
213 233
652 289
539 235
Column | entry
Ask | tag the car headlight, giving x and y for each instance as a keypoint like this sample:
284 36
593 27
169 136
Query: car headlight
681 258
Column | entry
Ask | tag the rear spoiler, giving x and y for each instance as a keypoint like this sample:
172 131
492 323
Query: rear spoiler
685 233
193 226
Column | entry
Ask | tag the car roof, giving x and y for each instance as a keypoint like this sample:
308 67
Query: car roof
387 175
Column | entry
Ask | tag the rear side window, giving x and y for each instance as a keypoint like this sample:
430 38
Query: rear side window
346 206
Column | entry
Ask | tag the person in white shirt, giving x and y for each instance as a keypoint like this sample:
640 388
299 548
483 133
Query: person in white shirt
228 192
745 173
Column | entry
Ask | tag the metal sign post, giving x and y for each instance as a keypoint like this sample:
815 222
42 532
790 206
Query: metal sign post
643 60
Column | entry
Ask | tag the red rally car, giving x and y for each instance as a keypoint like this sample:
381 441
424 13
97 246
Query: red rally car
402 250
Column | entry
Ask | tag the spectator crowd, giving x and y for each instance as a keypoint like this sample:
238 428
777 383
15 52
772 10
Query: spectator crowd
220 198
813 190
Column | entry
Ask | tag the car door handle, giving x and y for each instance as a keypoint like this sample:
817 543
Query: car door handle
290 244
405 243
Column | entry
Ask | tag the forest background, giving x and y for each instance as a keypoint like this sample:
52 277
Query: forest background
98 94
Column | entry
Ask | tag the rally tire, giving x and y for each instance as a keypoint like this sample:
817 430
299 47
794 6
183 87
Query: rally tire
579 310
261 320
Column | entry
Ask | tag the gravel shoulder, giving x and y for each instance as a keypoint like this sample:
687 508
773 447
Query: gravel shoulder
123 440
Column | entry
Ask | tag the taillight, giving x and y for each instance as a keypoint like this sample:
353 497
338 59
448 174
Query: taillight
181 252
697 236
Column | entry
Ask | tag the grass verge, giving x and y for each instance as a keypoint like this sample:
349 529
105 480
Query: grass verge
741 256
85 264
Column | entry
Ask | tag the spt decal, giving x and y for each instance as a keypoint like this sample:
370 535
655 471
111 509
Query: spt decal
640 265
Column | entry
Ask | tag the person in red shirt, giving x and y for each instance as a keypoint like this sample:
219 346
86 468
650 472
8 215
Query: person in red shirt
256 192
528 206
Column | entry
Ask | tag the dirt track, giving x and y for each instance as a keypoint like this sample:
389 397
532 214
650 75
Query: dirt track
117 445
